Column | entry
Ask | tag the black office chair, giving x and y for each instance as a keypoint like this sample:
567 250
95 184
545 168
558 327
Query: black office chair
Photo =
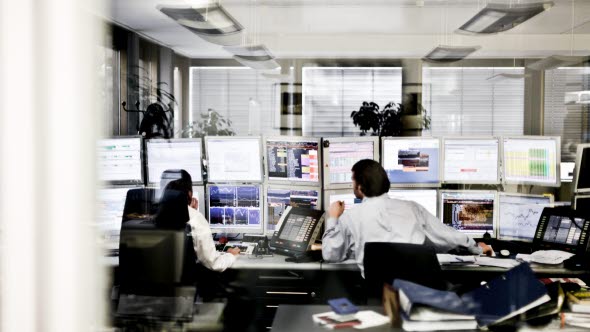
384 262
140 204
155 263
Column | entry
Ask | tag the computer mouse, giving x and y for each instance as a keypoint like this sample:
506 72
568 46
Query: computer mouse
504 253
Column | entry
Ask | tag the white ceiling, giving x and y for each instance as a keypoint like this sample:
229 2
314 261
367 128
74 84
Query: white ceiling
363 28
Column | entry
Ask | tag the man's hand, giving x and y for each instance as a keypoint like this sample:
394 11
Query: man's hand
194 204
336 209
234 251
486 250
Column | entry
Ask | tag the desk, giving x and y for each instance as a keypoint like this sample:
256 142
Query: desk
298 318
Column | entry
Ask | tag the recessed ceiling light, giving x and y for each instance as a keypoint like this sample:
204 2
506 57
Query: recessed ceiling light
496 17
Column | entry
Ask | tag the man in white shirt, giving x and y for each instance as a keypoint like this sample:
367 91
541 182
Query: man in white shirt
382 219
203 243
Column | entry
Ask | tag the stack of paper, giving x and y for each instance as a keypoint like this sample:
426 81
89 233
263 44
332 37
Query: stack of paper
361 320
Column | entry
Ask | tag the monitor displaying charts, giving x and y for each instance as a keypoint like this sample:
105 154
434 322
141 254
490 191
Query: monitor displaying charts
119 160
531 160
278 198
427 198
341 153
518 215
411 161
233 158
471 160
235 208
344 195
110 204
469 211
165 154
582 169
293 160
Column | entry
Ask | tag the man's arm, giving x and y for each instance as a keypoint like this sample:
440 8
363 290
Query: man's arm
204 246
446 238
335 241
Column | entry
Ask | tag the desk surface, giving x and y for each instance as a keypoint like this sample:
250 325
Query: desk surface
298 318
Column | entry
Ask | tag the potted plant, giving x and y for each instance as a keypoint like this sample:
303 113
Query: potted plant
393 120
210 124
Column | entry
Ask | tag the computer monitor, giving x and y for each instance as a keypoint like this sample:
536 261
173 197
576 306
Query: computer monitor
183 153
531 160
235 208
471 160
427 198
518 215
294 160
582 169
278 198
341 153
119 160
110 203
344 195
582 204
411 161
471 212
233 158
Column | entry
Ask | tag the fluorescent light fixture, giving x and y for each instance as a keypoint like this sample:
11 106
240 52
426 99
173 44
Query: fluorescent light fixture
444 53
507 76
577 97
556 61
496 17
253 56
211 22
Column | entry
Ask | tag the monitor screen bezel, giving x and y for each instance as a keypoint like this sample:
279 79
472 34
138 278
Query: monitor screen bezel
172 141
575 200
216 230
500 195
436 195
494 233
286 187
293 139
326 157
234 138
414 185
140 182
579 150
469 138
555 139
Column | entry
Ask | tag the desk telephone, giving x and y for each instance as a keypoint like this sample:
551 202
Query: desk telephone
298 229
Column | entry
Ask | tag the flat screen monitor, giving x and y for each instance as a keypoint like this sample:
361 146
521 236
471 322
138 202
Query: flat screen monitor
469 211
163 154
341 153
294 160
411 161
427 198
279 198
582 169
582 205
119 160
344 195
518 215
233 158
531 160
110 204
235 208
471 160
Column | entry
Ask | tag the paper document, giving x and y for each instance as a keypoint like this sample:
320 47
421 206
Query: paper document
454 259
497 262
552 257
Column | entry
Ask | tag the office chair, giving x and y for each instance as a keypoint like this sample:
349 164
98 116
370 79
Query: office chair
156 261
384 262
140 204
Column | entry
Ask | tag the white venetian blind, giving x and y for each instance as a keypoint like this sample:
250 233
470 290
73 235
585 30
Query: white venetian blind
330 94
240 94
462 101
566 119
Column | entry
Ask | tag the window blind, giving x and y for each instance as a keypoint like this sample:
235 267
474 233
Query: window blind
239 94
463 102
330 94
570 121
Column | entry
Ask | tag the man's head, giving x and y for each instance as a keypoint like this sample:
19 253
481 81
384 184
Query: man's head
179 180
369 179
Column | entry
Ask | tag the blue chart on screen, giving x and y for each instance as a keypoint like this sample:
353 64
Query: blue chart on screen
234 207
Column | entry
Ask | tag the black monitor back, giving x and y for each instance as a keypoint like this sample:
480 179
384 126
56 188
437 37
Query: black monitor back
385 261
